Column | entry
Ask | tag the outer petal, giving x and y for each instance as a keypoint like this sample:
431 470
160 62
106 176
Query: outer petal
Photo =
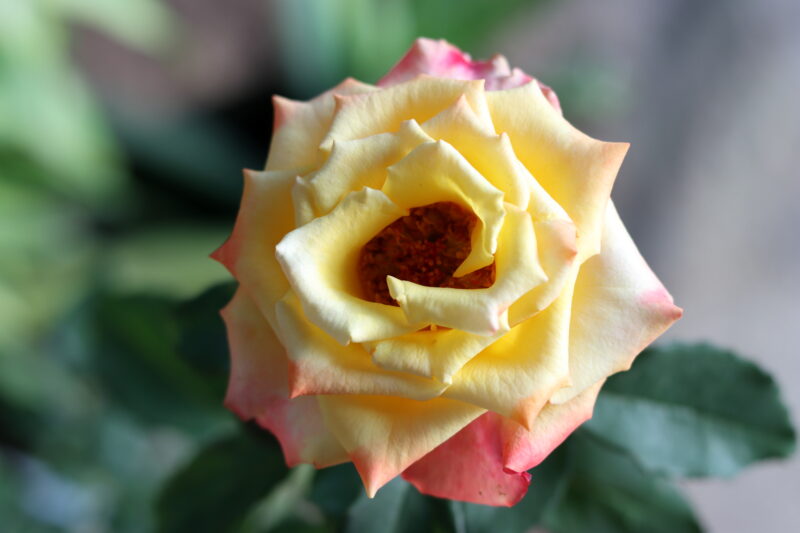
576 170
265 216
382 111
257 388
385 435
320 261
440 58
517 375
487 461
619 308
436 172
300 126
320 365
523 449
469 467
480 311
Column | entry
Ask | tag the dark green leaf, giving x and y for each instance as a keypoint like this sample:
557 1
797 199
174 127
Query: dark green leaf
214 492
396 508
139 366
608 492
546 482
203 341
694 410
336 488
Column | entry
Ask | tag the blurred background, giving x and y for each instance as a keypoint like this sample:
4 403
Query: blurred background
124 127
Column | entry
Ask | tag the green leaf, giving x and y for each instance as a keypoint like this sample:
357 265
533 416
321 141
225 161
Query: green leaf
336 488
214 492
546 483
137 362
396 508
694 410
203 341
608 492
170 260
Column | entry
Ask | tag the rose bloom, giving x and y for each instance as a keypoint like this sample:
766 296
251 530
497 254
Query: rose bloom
433 281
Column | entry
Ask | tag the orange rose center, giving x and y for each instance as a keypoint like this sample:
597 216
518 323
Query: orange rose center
425 247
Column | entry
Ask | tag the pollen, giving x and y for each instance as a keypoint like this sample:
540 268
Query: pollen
425 247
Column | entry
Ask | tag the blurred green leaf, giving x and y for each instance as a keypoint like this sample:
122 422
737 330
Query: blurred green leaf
694 410
146 25
396 508
606 491
336 488
172 261
203 341
546 483
141 370
214 492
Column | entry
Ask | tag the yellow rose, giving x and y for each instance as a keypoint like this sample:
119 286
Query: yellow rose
433 279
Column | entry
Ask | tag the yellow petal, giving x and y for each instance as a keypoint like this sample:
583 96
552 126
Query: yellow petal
517 374
320 259
479 311
265 216
385 435
320 365
383 111
436 172
300 127
435 354
490 154
576 170
258 388
556 241
619 308
353 165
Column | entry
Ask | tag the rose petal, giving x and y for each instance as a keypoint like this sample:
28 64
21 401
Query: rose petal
490 154
523 449
320 261
265 216
257 388
440 58
385 435
576 170
479 311
469 467
619 308
356 164
320 365
557 252
487 461
436 172
437 354
300 127
516 375
362 115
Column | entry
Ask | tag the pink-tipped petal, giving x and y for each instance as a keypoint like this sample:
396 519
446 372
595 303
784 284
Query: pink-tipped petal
619 307
523 449
258 389
443 60
469 467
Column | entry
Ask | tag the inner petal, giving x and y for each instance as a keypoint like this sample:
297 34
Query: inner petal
425 247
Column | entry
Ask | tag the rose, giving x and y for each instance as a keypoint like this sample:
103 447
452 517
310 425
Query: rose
433 280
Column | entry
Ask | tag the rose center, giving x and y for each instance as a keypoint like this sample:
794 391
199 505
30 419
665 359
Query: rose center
425 247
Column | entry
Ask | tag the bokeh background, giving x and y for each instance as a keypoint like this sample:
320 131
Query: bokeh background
123 130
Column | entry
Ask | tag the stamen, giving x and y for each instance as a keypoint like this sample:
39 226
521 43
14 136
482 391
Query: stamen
424 247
